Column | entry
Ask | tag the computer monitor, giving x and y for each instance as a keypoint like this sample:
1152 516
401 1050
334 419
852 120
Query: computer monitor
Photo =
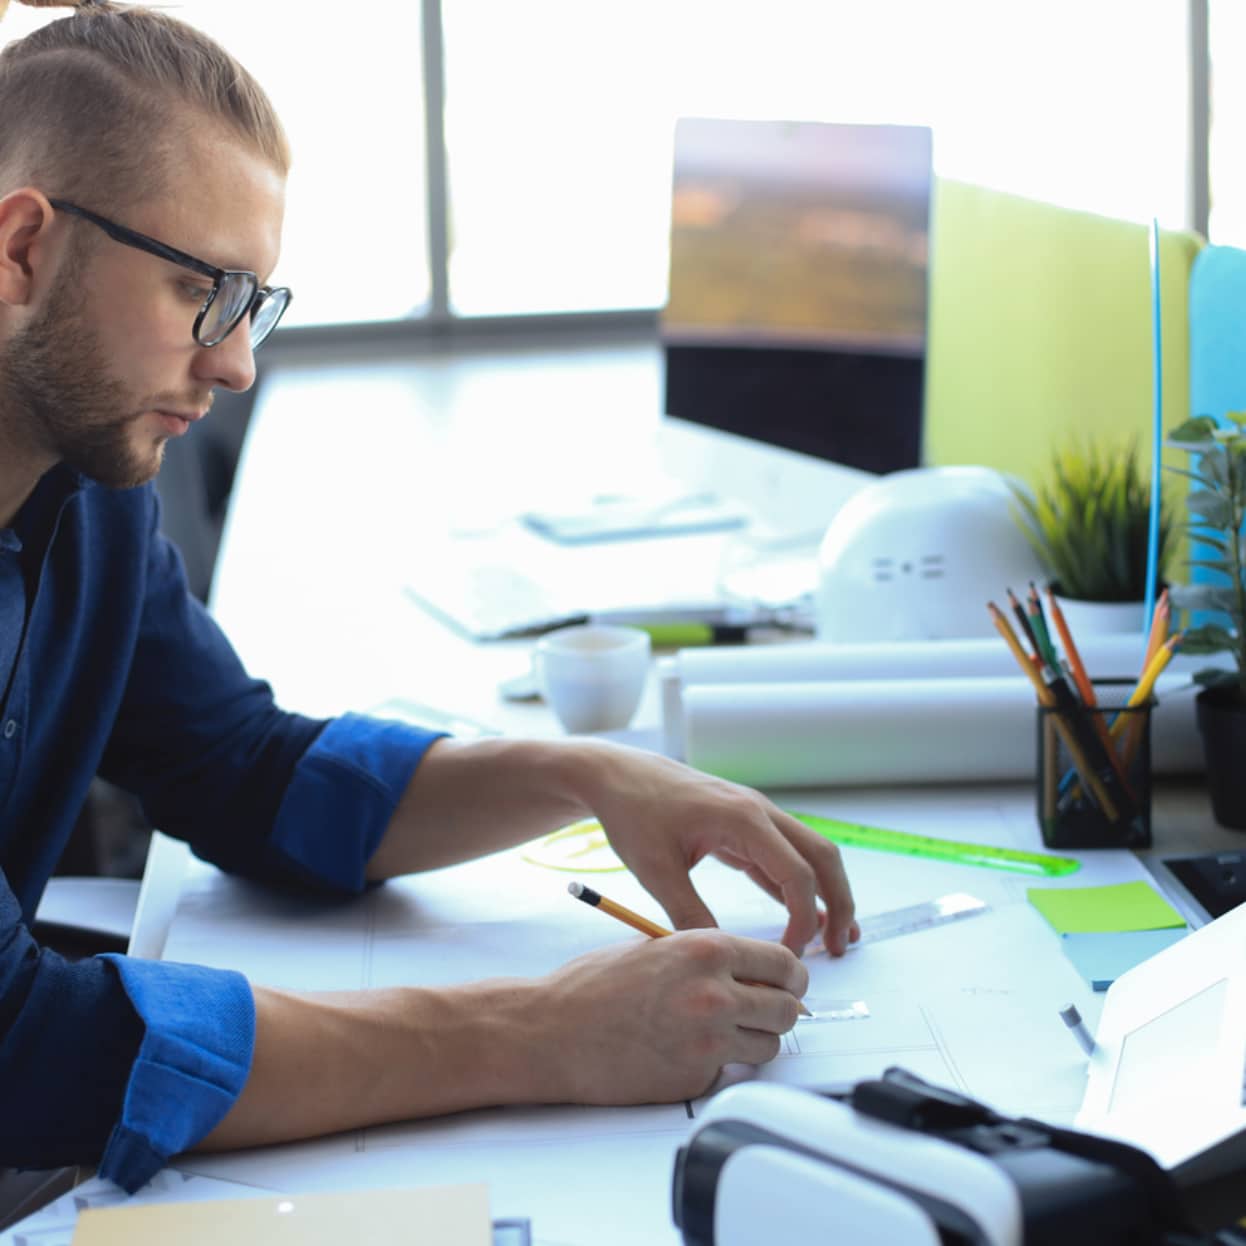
798 285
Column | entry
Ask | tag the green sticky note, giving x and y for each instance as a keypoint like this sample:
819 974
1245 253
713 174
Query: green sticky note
1087 910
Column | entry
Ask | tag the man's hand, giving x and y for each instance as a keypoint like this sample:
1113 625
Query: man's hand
471 797
655 1022
662 818
652 1021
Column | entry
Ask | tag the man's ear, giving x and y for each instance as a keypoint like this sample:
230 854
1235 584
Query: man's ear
26 243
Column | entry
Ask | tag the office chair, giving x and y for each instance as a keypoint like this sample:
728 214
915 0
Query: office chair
195 481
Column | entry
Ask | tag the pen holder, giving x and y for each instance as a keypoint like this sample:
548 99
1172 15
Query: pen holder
1094 771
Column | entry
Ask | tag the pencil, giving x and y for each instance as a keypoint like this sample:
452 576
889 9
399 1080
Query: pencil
1159 628
1047 651
1023 661
1018 610
1085 687
636 922
1080 678
1140 695
1046 690
1146 684
625 915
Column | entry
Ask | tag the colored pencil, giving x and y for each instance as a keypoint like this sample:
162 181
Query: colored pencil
1074 659
1155 668
1085 688
1141 694
1026 627
1046 649
1051 689
1159 628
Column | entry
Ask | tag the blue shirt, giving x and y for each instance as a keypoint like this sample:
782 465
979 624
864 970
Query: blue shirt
108 665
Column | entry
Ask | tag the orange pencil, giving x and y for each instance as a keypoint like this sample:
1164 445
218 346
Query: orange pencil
636 922
1080 678
1084 686
1047 698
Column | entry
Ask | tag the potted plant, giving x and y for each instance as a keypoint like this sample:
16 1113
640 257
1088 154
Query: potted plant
1217 505
1088 521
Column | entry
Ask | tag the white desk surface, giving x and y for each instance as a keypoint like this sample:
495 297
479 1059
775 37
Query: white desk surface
343 470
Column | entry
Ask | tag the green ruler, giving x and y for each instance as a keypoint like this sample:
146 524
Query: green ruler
855 835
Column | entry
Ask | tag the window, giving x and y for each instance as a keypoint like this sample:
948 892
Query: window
1227 216
559 119
560 116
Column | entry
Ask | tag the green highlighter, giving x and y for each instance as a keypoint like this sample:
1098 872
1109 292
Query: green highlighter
856 835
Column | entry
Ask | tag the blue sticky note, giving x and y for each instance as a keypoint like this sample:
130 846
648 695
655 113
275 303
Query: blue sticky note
1101 957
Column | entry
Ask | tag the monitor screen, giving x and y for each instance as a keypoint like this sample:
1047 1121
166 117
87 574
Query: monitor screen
798 285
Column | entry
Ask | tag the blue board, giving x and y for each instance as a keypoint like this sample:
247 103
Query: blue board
1218 332
1217 348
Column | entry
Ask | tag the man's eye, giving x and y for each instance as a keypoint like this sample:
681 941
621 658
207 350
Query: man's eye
195 292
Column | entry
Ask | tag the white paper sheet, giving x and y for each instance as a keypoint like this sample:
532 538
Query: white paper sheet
970 1004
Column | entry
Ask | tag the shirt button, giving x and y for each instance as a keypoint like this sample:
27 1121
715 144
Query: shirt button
10 729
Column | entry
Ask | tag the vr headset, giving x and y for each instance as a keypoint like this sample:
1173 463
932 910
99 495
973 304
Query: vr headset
906 1163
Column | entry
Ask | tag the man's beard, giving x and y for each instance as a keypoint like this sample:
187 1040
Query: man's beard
54 376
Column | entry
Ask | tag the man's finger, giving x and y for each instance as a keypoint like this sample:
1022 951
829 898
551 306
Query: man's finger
795 881
770 964
679 898
832 879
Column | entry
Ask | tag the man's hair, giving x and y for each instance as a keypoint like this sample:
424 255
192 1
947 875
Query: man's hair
94 106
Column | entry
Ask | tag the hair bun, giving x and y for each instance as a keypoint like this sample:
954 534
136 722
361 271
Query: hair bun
56 4
51 4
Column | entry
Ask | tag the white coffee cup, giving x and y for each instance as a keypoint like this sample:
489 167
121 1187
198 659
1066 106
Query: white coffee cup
592 675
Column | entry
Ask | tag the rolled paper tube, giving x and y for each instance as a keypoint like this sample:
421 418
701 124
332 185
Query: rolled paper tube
906 731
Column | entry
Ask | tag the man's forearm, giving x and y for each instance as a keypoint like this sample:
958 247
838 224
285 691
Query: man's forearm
472 797
642 1021
341 1060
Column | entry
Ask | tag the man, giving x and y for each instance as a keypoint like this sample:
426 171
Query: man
142 175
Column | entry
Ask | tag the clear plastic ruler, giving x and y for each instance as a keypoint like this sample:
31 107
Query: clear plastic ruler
917 917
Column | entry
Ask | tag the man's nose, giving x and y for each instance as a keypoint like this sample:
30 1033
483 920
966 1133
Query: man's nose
229 364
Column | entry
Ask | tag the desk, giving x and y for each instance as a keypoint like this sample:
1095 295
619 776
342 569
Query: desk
343 469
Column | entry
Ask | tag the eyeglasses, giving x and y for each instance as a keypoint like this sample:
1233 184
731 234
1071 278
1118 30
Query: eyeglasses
235 293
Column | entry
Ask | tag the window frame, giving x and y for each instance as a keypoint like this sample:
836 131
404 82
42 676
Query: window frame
438 325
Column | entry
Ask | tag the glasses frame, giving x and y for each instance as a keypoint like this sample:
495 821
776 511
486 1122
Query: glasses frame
142 242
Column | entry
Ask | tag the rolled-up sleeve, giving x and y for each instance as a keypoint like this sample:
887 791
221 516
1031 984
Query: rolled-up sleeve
191 1065
343 794
113 1060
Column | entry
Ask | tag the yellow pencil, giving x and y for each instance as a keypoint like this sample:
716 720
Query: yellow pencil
1044 694
1146 684
636 922
1159 628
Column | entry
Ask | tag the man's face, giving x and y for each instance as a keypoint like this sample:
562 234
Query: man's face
107 369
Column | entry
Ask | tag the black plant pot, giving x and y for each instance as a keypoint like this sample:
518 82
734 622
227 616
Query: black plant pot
1222 722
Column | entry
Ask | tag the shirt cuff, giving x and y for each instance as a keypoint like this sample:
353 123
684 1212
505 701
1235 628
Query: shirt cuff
344 792
191 1066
